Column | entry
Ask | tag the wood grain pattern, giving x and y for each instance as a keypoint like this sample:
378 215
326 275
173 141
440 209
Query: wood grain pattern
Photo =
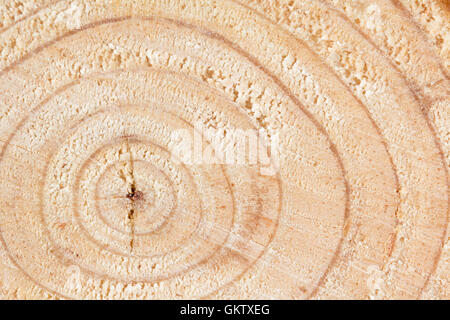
98 199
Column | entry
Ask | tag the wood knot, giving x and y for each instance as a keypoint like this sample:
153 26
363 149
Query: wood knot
135 195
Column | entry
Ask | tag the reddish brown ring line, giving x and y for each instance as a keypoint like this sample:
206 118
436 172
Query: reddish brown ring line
410 88
396 3
11 257
118 252
413 91
63 258
136 139
359 102
433 131
257 64
207 258
159 279
86 27
77 81
109 248
7 143
139 196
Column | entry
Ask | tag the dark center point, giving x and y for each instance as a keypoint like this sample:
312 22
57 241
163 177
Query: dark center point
135 195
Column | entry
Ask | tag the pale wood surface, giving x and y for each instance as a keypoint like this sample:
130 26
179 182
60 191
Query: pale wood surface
94 205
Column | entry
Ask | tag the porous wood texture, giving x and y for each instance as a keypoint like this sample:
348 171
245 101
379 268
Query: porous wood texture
94 204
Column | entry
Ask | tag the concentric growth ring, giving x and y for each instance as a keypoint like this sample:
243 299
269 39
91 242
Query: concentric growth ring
223 149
